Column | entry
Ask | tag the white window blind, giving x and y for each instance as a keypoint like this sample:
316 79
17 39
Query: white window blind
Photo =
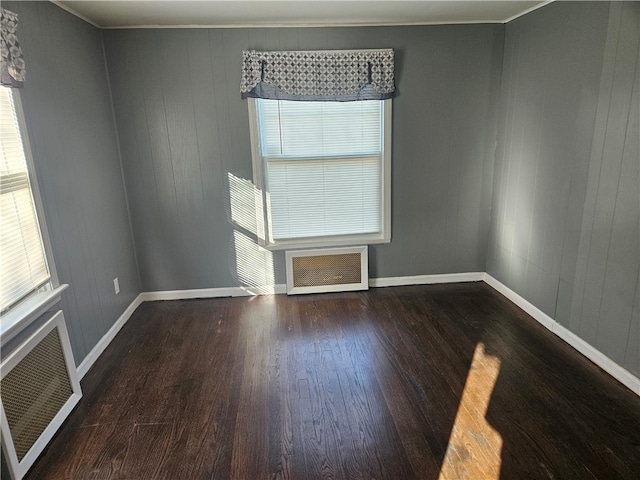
323 167
23 264
316 129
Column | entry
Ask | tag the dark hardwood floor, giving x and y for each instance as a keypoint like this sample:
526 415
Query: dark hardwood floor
424 382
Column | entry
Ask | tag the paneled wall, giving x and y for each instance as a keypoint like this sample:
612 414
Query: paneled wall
561 228
565 231
184 135
73 141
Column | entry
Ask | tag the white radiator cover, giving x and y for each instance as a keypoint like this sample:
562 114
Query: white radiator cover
40 387
327 270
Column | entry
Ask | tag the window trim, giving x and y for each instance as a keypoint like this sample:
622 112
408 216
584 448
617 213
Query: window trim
261 200
34 304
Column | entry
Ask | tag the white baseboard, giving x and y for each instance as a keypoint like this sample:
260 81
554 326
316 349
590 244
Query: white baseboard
277 289
612 368
616 371
426 279
104 342
213 292
282 288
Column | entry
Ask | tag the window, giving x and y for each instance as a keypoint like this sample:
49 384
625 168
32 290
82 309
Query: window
24 265
324 171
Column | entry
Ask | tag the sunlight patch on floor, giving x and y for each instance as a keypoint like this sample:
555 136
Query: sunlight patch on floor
474 446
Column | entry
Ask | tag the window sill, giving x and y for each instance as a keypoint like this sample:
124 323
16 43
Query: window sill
22 315
326 242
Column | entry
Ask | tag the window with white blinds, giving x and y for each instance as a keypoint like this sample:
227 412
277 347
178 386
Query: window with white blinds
23 264
323 169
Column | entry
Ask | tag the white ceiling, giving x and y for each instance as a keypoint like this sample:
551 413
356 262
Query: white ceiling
261 13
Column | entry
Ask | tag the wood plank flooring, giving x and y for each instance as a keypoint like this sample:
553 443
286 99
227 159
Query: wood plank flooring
424 382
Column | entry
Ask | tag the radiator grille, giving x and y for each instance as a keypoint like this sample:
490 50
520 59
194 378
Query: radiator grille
34 391
317 270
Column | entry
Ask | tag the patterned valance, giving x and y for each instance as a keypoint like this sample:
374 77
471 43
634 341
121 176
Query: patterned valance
12 70
325 75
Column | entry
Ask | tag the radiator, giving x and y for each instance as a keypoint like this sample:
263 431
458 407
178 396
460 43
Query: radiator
327 270
38 389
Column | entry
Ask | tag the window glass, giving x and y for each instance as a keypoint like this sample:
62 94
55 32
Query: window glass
23 262
323 169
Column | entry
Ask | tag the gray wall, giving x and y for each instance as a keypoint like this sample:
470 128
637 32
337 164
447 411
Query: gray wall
184 134
71 129
565 230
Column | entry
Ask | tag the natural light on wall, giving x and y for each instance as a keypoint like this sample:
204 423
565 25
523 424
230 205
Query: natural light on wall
252 265
244 201
474 446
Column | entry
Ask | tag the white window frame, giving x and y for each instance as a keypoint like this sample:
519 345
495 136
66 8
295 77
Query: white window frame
262 201
32 306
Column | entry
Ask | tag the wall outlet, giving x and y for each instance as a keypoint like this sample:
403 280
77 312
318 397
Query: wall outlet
116 285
